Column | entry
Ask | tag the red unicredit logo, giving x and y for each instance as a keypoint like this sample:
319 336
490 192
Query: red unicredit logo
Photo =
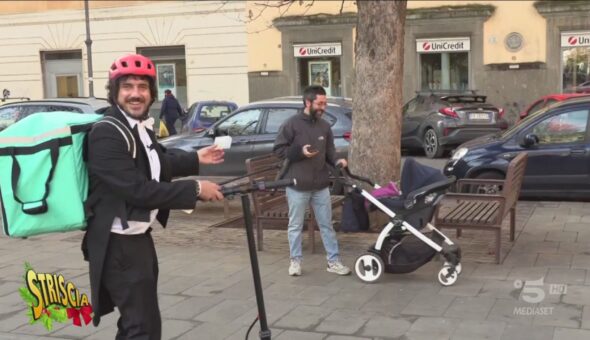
572 40
426 46
302 51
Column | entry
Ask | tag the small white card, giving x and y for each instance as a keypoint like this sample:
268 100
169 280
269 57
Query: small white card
223 141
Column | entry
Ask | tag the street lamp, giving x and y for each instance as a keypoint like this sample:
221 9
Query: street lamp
89 51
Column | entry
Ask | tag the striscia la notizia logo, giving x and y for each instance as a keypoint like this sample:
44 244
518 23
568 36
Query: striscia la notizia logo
52 299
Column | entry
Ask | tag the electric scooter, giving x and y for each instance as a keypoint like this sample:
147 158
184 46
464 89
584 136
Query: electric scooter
243 191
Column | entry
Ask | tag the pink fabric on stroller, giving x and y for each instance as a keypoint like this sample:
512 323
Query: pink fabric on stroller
390 190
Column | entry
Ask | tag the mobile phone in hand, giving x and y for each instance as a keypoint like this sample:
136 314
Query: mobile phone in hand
311 149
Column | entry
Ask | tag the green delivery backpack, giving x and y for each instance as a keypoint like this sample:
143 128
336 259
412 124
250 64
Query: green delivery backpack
43 174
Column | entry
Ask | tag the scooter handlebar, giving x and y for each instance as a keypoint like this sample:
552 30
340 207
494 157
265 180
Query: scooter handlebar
258 186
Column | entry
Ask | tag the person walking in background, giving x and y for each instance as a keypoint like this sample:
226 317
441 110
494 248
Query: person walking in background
170 111
129 191
307 142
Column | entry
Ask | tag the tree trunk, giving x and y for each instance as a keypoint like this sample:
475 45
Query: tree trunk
379 59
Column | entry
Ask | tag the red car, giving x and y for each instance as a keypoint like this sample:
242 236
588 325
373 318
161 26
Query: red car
548 100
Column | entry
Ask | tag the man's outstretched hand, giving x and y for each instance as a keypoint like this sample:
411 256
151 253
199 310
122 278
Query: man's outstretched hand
212 154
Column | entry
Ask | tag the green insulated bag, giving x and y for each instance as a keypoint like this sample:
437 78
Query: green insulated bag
43 174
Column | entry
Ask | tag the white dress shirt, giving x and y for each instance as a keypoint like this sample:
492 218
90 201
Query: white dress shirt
136 227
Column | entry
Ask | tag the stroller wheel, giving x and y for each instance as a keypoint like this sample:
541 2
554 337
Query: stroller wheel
458 267
369 267
446 278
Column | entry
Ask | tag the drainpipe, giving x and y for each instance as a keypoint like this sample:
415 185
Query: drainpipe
89 51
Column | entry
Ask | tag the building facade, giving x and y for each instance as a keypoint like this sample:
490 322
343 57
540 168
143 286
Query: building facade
511 51
199 48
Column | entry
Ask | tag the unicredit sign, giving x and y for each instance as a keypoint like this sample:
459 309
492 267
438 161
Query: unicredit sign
442 45
575 39
317 50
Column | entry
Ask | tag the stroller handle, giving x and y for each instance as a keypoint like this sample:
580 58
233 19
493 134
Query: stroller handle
349 174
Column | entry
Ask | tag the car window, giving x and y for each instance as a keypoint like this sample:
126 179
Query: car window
567 127
276 117
329 118
410 107
241 124
8 116
536 107
215 111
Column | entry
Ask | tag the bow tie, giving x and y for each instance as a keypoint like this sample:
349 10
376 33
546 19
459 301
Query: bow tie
148 123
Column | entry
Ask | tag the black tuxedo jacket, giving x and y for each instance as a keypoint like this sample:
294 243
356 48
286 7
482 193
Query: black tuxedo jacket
121 186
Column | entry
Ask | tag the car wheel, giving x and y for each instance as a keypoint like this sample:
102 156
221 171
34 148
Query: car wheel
432 148
488 189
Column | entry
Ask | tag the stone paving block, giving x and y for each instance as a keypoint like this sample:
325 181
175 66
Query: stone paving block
14 321
351 299
586 317
561 236
343 321
188 308
519 259
240 334
211 286
472 329
554 260
391 300
428 305
174 328
531 247
108 321
470 308
316 295
577 295
500 290
571 334
303 317
558 315
566 276
465 286
345 337
532 236
432 328
214 331
491 271
505 310
178 284
298 335
228 311
584 236
387 327
521 332
526 273
575 226
166 300
581 261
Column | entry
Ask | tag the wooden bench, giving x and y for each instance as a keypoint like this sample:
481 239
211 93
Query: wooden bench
484 211
272 206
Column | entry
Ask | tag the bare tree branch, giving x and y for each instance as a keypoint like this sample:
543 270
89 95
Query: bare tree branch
341 6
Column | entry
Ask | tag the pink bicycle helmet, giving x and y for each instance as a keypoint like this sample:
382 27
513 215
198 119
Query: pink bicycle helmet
134 64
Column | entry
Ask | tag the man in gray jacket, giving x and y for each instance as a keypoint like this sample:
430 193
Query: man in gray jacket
307 143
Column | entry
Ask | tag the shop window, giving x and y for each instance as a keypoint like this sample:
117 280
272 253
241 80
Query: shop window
575 68
170 65
324 72
444 71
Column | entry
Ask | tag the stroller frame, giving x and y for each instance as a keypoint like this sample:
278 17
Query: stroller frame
370 266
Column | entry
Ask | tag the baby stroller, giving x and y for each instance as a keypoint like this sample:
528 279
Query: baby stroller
401 246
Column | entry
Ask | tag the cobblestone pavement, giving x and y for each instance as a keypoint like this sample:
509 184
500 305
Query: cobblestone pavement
206 290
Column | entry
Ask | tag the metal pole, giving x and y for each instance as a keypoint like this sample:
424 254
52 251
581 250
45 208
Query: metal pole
89 51
264 330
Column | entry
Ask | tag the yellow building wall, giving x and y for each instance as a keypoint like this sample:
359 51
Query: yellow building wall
13 7
264 41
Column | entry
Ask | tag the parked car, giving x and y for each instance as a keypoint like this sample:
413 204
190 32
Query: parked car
583 87
254 127
557 142
13 112
203 114
439 121
547 100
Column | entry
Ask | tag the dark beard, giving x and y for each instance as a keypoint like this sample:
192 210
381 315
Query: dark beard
315 114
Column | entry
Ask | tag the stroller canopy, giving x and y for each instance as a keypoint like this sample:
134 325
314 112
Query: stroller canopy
416 175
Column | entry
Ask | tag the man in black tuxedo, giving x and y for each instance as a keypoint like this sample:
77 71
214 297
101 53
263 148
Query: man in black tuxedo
128 192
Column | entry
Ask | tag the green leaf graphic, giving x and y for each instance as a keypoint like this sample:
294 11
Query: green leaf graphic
29 299
58 313
46 321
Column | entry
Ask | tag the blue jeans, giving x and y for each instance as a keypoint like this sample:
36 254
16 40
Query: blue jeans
322 207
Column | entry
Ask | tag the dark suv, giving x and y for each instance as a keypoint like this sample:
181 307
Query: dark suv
438 121
13 112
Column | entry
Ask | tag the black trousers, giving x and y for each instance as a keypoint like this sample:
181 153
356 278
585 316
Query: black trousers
130 276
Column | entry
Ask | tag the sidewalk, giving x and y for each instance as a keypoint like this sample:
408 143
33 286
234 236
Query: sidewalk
206 289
